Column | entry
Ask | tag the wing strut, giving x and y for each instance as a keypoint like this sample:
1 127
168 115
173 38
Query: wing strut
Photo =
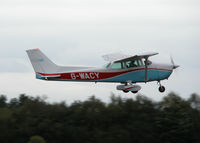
146 68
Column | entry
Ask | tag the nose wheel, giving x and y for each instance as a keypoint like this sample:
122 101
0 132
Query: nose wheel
161 88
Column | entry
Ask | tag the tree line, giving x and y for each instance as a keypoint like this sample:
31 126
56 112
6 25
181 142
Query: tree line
28 119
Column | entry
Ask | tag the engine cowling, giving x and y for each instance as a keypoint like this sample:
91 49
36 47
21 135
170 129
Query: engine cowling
133 87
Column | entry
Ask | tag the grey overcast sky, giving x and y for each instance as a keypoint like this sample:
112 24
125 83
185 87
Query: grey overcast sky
79 32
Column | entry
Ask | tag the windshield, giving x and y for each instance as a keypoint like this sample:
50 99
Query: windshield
107 65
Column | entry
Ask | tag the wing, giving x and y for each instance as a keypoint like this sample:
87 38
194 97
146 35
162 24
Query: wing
115 57
119 57
144 55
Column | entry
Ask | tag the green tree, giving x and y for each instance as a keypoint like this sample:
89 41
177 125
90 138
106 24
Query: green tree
5 125
36 139
194 101
174 123
3 100
23 98
126 120
14 102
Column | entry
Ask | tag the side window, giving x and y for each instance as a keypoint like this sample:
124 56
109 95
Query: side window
140 62
132 64
118 65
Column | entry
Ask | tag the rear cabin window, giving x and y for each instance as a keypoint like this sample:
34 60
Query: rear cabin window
118 65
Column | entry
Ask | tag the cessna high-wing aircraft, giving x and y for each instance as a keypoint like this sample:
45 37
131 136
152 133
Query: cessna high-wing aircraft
125 69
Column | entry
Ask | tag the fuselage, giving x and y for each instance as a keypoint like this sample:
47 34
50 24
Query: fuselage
156 72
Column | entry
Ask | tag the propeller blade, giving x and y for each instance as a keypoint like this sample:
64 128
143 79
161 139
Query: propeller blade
172 60
173 64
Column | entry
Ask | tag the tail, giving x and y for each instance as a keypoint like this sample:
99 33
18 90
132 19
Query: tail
40 63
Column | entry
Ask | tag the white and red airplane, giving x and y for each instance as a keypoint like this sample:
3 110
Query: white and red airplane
125 69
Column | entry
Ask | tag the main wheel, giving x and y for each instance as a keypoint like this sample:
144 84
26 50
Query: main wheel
161 89
125 91
134 92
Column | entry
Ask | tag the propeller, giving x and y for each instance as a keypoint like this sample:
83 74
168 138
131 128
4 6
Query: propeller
173 64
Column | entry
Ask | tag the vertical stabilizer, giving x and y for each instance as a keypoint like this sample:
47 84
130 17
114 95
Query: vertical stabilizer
41 63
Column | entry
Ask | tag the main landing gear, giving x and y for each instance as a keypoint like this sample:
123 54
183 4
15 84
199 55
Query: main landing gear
134 88
129 86
126 91
161 88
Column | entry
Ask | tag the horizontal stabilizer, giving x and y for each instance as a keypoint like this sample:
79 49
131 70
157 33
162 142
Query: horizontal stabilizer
51 76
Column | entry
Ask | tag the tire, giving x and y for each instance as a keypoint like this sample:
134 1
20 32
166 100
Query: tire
161 89
134 92
125 91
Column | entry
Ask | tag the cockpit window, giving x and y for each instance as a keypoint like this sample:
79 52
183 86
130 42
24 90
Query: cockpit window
117 65
107 65
134 63
126 64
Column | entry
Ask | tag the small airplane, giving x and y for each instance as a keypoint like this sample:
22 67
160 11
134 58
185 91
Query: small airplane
125 69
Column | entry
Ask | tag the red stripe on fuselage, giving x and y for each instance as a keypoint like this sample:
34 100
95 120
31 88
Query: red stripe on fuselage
95 75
